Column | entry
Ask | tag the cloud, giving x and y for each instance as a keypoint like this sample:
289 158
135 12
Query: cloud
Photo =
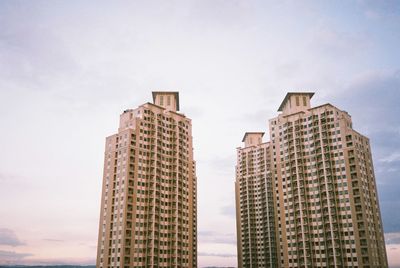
31 53
6 178
394 157
392 238
258 116
194 112
375 90
11 257
9 238
3 178
229 210
221 164
223 255
380 9
53 240
338 43
216 238
372 14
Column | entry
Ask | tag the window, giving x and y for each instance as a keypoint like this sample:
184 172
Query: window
297 101
169 100
161 100
304 101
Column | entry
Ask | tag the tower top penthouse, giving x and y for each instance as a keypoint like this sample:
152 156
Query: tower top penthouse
296 102
167 99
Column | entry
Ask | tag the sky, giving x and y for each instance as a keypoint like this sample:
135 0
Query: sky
69 68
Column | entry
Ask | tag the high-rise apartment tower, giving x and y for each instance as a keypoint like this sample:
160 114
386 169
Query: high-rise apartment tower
255 204
325 196
148 205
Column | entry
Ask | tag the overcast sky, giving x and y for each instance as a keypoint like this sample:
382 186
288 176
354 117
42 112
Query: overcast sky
69 68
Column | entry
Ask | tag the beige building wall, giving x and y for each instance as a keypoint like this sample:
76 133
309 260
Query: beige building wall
327 203
148 212
254 204
324 191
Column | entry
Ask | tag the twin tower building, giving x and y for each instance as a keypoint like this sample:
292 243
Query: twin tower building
306 198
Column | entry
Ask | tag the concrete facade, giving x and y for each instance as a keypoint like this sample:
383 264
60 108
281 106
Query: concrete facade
325 196
148 212
255 204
